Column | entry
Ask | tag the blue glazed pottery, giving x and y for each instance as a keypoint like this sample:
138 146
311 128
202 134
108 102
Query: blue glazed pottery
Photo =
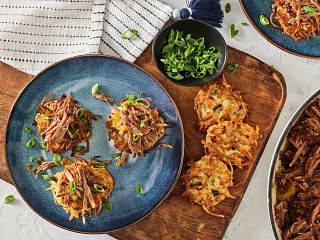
157 171
304 48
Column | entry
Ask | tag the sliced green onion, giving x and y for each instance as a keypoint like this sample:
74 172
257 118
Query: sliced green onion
27 130
49 178
79 113
107 205
129 34
88 134
142 123
72 186
47 118
263 20
57 159
8 199
244 24
85 120
31 158
234 32
99 188
43 145
95 88
99 164
227 7
139 189
131 99
232 68
46 177
119 154
135 137
31 143
80 148
188 57
57 156
72 134
309 10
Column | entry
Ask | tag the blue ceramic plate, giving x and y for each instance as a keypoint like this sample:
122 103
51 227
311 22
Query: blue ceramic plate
157 171
304 48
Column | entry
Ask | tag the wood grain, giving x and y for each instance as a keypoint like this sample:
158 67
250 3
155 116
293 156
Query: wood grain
262 87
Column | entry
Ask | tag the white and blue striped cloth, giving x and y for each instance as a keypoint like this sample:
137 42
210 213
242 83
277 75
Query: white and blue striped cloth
37 33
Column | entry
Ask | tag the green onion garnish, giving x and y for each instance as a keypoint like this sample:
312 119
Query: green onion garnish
31 158
43 145
130 99
47 118
72 186
232 68
99 164
46 177
79 113
119 154
72 134
244 24
234 32
135 137
227 7
142 123
139 189
309 10
9 199
129 34
31 143
27 130
49 178
98 188
107 205
95 88
80 148
57 159
263 20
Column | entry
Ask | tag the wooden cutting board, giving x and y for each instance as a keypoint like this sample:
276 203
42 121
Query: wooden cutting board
261 86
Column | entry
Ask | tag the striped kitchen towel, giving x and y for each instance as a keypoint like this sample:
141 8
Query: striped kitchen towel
37 33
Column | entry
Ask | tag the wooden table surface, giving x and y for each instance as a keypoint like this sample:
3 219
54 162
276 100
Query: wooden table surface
262 87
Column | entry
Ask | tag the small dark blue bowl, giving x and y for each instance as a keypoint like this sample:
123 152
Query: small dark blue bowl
197 29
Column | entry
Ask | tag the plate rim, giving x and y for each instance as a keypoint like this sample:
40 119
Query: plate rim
271 41
293 119
107 57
